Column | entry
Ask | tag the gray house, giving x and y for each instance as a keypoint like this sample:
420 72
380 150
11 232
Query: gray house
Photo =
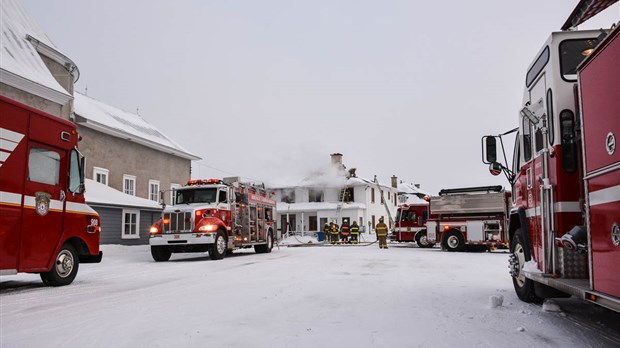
127 154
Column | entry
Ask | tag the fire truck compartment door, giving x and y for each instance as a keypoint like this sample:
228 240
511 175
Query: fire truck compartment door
475 231
431 231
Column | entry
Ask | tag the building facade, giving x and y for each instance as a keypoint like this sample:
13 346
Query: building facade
333 195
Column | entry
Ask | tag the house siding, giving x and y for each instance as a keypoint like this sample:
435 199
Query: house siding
102 150
112 229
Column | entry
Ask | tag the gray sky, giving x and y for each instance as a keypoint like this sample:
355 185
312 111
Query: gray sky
268 89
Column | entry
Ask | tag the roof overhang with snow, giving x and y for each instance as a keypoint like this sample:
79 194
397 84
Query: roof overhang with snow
21 66
98 194
110 120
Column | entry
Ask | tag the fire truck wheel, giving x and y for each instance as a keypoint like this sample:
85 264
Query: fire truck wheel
453 241
160 253
524 287
265 248
218 249
422 241
65 267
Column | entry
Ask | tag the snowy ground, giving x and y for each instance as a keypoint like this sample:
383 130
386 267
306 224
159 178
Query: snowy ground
315 296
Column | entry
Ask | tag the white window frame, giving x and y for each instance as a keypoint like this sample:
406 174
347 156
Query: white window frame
130 178
172 188
102 171
124 234
151 184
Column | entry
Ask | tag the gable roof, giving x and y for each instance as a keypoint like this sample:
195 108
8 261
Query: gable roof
110 120
21 65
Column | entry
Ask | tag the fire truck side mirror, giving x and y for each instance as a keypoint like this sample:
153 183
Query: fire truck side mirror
495 168
490 149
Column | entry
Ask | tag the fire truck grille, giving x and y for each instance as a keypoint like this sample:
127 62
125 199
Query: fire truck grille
178 222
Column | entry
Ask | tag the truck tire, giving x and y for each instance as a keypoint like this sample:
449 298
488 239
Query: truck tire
160 253
65 267
453 241
218 249
265 248
422 241
524 287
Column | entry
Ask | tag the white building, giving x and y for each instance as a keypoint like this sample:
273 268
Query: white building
334 194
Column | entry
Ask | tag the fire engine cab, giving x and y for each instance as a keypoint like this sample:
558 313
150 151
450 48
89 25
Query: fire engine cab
565 174
410 224
45 225
217 216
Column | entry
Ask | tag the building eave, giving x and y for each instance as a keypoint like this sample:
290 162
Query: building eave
34 88
130 137
54 55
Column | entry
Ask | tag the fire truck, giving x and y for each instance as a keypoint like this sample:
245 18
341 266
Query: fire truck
45 226
410 224
215 216
470 217
565 173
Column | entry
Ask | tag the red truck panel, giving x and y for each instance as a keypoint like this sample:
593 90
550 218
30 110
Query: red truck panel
600 97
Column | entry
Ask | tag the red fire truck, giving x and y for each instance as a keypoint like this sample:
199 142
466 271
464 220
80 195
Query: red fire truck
469 217
410 224
45 226
565 174
217 216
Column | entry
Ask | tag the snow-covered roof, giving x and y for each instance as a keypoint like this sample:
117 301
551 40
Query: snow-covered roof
282 207
412 189
21 65
100 194
119 123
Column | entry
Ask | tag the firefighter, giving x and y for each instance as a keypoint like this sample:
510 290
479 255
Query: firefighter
381 230
355 232
326 230
344 232
333 233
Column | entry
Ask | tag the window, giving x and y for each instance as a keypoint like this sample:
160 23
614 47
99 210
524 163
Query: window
395 201
527 139
572 53
129 184
44 166
550 116
372 196
131 224
173 188
76 173
203 195
315 195
537 67
288 196
154 190
101 175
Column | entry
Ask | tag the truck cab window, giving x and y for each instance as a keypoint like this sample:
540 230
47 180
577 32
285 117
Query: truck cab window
527 139
44 166
222 198
76 177
572 53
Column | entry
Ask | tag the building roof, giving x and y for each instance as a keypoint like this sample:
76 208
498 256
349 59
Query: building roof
21 65
103 195
108 119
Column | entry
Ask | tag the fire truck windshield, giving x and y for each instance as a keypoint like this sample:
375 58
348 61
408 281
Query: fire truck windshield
201 195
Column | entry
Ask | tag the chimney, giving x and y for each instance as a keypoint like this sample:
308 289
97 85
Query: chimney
337 159
394 181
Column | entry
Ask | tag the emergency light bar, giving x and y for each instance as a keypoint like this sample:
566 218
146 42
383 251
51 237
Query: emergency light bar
204 182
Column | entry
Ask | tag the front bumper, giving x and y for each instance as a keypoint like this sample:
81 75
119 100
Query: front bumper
182 239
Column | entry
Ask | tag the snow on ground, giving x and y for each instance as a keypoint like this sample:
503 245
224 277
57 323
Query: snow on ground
304 296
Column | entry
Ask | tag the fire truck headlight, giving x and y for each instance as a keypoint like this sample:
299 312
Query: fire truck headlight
154 230
207 228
